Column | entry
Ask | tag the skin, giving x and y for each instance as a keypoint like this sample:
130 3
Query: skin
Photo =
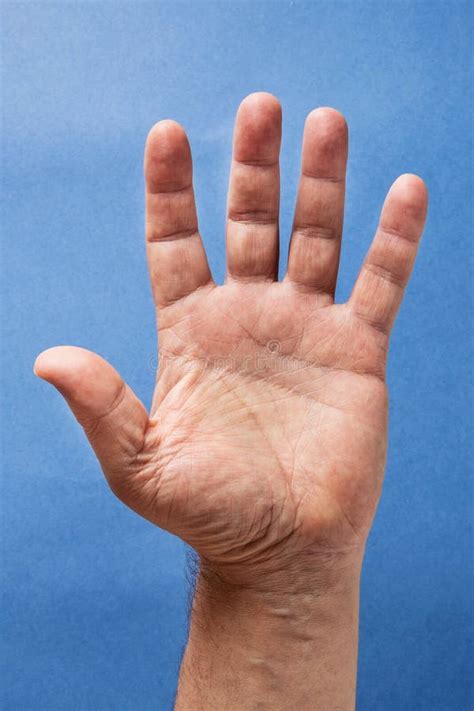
265 445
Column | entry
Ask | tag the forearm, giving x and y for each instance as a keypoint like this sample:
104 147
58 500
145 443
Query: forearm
254 650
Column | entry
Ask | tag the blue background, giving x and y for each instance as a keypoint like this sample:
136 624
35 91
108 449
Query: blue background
95 601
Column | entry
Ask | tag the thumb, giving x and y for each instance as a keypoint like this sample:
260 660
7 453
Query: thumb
113 418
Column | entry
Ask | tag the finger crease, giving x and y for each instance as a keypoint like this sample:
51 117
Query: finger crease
173 236
169 188
256 163
398 234
117 401
316 232
385 274
378 326
323 178
253 218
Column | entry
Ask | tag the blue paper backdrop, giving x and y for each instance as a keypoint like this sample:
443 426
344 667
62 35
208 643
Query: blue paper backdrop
94 602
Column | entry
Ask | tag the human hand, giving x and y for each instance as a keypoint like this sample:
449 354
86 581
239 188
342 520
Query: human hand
265 445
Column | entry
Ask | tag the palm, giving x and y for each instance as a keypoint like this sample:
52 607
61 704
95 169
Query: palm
267 430
270 411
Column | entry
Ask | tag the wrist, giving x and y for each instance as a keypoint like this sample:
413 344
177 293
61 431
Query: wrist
284 606
286 645
312 573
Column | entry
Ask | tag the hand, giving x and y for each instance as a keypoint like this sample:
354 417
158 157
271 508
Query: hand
265 444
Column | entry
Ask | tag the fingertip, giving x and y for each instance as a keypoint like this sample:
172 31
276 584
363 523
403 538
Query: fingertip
325 144
165 132
411 183
327 120
84 378
49 362
111 415
167 161
37 366
411 193
260 102
66 366
166 142
258 128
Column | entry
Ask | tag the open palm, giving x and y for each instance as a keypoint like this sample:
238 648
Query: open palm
267 435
